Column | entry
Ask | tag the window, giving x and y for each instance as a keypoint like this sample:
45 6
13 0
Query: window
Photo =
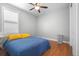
10 21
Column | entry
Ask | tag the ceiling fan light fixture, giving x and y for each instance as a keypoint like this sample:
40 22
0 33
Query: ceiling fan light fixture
37 7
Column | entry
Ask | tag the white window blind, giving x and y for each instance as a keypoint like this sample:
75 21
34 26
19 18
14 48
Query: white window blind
10 19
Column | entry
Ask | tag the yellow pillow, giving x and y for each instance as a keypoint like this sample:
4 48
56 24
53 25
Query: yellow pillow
17 36
12 37
25 35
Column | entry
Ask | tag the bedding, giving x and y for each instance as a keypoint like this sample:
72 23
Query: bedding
31 46
17 36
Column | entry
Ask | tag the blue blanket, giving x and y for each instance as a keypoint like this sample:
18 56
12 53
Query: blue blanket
32 46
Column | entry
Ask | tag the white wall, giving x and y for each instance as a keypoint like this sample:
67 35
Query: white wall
26 21
53 23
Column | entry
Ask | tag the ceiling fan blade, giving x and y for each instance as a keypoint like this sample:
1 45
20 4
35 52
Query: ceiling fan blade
43 6
31 8
39 11
31 4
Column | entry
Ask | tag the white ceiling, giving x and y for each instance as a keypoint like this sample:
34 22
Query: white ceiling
51 6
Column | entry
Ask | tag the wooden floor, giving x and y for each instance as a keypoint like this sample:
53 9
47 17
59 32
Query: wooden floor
55 50
58 49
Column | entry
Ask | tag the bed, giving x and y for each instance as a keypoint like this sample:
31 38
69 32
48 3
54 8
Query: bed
31 46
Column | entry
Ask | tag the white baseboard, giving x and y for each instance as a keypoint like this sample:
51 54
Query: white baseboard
55 40
66 42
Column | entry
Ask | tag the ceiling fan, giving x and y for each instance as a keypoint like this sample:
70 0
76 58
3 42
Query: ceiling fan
37 6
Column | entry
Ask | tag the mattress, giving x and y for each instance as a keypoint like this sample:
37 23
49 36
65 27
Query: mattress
31 46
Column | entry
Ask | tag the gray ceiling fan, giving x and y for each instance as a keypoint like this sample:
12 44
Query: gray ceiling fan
37 6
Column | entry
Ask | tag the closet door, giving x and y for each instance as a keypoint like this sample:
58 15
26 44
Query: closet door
73 28
10 21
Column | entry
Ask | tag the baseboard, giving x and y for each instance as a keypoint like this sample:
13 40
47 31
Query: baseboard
66 42
54 39
57 40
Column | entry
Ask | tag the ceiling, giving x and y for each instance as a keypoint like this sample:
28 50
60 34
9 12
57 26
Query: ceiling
51 7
